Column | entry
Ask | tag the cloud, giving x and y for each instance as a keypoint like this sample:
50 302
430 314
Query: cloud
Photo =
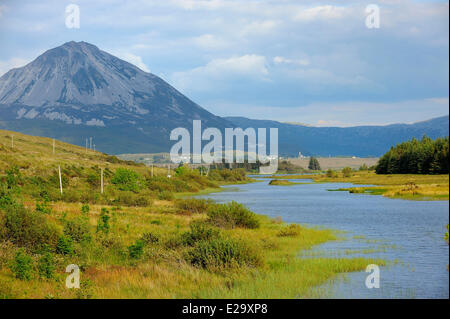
133 59
287 53
283 60
7 65
218 70
341 114
326 12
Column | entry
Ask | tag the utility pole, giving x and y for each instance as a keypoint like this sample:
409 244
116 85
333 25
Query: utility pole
12 141
60 179
86 144
101 183
53 146
94 147
90 142
152 170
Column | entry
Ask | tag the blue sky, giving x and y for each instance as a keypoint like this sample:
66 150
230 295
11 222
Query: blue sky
313 62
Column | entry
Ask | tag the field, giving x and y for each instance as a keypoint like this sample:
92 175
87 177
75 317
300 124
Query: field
142 237
335 162
402 186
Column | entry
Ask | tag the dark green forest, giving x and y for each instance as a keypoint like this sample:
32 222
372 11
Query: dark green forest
425 156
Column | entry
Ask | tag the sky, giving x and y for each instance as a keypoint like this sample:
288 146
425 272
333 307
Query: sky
310 62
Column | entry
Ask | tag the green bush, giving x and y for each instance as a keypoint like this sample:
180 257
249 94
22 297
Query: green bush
194 205
46 265
166 195
43 206
199 230
331 173
22 265
136 250
85 210
126 180
232 215
222 253
78 229
65 245
347 172
103 222
28 229
131 199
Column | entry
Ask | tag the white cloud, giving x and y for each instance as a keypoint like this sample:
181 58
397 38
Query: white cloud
283 60
321 13
7 65
132 58
210 42
248 66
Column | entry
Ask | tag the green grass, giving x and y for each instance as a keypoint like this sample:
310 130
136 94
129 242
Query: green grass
398 186
277 182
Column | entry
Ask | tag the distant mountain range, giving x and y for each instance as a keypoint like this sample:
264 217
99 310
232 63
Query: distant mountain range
76 91
362 141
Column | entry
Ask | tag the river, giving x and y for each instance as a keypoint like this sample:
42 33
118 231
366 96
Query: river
407 234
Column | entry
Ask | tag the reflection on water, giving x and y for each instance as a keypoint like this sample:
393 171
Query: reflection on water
408 234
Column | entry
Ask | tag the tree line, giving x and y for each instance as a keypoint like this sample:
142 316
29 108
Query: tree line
425 156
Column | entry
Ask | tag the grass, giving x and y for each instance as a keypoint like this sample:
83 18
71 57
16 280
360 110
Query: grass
140 249
277 182
400 186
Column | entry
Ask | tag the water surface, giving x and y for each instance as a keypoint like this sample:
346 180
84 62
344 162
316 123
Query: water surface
408 234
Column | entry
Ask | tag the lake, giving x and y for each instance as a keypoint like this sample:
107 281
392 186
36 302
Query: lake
407 234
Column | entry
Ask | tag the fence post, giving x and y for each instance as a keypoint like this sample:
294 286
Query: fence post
102 180
60 179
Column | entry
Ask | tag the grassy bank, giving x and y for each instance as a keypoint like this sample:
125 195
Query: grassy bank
278 182
141 238
401 186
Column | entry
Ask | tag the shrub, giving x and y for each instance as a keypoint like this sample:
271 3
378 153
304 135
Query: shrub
347 172
136 250
85 210
199 230
65 245
220 253
290 231
22 265
28 229
232 215
131 199
126 180
46 265
78 229
149 238
93 180
193 205
165 195
43 206
103 222
331 173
